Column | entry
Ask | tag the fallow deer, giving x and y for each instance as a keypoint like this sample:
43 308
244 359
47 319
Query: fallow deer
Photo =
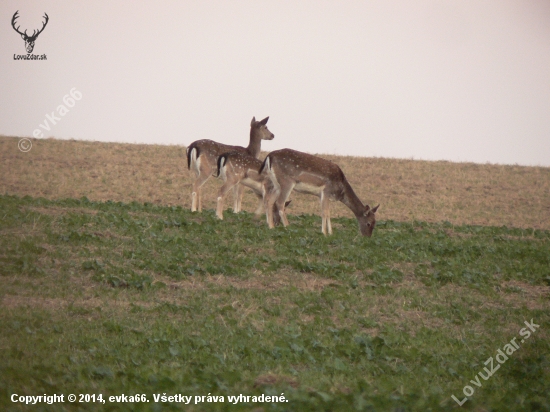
239 168
202 156
292 170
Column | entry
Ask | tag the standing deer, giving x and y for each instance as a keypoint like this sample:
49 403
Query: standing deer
29 40
202 156
238 167
289 169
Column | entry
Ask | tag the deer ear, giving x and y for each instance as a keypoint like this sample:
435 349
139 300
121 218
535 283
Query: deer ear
366 212
253 121
23 36
264 121
374 209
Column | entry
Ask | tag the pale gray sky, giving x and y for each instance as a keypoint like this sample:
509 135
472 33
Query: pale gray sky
465 80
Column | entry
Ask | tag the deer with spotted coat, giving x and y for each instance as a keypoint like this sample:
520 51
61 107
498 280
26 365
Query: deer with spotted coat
202 157
289 170
236 168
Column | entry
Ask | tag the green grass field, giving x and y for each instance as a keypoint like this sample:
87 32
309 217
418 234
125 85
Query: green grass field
129 298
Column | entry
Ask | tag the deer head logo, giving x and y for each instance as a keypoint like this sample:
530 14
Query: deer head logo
29 40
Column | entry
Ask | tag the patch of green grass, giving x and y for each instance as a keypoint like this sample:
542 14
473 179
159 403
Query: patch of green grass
116 298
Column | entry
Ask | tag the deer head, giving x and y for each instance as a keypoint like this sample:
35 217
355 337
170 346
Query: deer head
367 221
29 40
261 128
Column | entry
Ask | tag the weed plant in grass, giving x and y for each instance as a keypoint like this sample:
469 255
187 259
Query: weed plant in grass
112 298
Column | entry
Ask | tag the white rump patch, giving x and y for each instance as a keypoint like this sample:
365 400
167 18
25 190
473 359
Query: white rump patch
195 163
223 173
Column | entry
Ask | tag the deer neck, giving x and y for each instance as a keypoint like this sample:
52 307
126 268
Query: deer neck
255 145
351 200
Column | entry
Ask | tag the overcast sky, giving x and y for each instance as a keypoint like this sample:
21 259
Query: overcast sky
438 80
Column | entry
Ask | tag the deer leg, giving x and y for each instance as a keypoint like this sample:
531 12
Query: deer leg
276 215
221 194
230 183
196 200
281 201
193 201
200 200
269 201
203 175
260 209
194 193
327 216
238 192
323 221
219 207
240 195
326 227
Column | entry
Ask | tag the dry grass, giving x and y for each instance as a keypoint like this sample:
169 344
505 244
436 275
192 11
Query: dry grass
461 193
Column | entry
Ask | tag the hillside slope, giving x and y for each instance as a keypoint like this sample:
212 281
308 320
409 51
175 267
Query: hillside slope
461 193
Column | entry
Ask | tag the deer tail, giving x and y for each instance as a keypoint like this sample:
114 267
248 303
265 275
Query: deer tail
192 155
266 164
221 164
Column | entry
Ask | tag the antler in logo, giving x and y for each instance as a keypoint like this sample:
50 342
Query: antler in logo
29 40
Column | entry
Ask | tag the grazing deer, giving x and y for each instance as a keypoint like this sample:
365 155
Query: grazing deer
29 40
202 156
238 167
292 170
